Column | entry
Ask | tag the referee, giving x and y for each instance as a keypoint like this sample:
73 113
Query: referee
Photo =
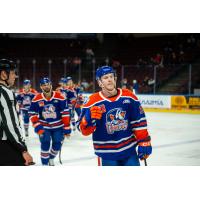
13 150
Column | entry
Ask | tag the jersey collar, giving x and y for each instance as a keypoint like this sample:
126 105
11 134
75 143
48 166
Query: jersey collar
112 99
50 98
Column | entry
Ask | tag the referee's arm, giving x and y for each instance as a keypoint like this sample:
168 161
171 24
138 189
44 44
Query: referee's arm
10 122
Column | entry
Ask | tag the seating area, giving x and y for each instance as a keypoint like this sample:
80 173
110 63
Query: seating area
136 55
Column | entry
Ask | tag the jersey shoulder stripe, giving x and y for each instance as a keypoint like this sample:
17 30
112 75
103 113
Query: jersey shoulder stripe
33 91
37 97
58 95
128 93
93 99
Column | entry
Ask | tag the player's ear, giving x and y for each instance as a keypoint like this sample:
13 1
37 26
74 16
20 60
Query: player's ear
3 75
100 83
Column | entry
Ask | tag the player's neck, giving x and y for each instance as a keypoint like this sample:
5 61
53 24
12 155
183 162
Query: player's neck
48 95
26 90
3 83
108 94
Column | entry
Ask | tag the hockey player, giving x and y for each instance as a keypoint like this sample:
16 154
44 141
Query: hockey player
117 123
78 94
70 95
24 98
51 119
79 99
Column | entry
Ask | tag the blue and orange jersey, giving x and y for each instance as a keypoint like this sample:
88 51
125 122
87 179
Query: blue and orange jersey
51 113
70 94
122 126
24 98
79 97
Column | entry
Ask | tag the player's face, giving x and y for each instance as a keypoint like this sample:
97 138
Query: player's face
12 77
61 84
46 87
27 87
70 83
108 82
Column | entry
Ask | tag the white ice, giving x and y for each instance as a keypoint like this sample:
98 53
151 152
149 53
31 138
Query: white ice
175 141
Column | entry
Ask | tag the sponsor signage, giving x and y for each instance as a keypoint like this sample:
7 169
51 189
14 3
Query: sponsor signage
155 101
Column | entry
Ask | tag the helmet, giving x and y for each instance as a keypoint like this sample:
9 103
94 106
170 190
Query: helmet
103 71
26 82
7 65
68 78
63 80
44 81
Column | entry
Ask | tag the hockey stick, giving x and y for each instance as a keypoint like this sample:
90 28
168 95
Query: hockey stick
60 158
145 162
60 161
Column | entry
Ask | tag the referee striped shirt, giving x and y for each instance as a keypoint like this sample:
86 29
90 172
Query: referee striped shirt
9 122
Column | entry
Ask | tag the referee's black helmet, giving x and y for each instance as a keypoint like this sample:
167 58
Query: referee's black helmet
7 65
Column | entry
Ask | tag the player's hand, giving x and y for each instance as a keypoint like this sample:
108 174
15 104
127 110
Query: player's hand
96 112
38 129
27 157
67 131
144 150
92 115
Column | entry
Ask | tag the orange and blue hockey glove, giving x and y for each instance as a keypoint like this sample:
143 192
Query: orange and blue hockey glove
93 114
67 131
38 128
144 149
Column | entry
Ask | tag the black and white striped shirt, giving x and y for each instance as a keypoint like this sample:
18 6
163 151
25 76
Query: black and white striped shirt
9 122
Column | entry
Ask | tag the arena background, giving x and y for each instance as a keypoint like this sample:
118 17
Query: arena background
166 67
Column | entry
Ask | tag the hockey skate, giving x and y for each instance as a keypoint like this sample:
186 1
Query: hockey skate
51 162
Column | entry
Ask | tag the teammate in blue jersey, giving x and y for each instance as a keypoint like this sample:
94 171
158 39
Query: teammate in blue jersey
117 123
79 99
76 106
24 98
70 94
50 116
67 92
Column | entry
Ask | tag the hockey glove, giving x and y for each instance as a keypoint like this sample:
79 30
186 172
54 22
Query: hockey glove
67 131
144 150
92 115
38 128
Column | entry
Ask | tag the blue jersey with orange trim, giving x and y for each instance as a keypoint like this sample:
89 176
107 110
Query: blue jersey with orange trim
24 98
122 125
51 113
79 97
70 95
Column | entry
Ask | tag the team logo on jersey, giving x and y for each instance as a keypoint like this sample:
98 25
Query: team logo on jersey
41 103
115 120
126 101
26 100
49 112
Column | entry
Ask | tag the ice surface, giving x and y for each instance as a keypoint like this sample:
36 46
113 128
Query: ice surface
175 141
